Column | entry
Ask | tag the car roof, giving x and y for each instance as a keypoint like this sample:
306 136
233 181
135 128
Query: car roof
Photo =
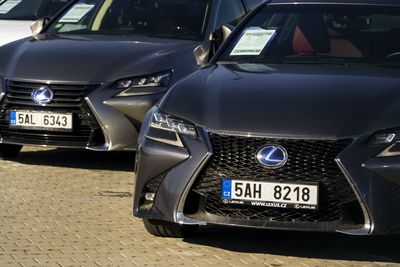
349 2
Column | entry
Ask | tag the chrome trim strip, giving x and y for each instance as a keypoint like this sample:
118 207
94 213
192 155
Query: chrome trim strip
50 82
276 136
182 219
368 227
108 143
3 87
104 147
177 143
2 94
156 126
387 153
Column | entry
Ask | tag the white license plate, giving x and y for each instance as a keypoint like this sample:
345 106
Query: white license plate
41 120
270 194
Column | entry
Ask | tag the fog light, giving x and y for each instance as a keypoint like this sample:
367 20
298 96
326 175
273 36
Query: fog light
149 196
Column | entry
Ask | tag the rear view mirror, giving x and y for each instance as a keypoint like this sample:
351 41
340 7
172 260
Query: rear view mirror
204 52
38 25
350 23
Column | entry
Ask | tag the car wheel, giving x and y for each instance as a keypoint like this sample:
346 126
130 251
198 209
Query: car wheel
168 229
9 151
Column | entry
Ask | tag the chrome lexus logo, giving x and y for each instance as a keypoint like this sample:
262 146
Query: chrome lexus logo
272 156
42 95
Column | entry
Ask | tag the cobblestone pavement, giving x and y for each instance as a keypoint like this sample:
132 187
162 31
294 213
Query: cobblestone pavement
71 208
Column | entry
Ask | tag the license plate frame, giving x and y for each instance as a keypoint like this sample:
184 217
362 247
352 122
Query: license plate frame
265 197
15 124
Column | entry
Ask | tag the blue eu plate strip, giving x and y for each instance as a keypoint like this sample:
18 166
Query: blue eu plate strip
13 117
226 192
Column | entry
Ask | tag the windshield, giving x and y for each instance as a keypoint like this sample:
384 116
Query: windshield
177 19
29 9
319 34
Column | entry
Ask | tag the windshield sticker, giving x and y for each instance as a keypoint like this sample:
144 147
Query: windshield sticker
76 13
253 42
8 6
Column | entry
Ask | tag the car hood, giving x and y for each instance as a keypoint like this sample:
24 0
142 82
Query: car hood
293 101
86 59
12 30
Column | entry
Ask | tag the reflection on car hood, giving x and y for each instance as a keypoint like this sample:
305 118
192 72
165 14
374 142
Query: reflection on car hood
86 59
12 30
314 101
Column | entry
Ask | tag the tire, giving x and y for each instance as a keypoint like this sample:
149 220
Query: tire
168 229
9 151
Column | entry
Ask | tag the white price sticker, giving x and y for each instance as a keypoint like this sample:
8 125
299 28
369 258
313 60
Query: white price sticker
76 13
253 41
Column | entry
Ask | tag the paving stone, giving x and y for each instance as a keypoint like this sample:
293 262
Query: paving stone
73 208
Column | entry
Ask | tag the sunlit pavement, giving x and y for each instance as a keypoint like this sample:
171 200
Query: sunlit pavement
72 208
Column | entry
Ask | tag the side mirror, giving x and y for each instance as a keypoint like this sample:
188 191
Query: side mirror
38 25
204 52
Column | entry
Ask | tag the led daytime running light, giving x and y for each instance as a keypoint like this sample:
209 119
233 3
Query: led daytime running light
170 123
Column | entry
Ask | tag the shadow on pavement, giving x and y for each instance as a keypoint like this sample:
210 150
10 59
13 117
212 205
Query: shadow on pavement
82 159
301 244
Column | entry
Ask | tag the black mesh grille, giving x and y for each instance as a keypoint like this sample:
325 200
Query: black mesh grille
67 99
309 161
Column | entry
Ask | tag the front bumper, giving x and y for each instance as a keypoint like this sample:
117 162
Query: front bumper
171 174
102 121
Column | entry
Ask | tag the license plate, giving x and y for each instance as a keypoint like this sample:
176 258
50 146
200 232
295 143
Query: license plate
270 194
41 120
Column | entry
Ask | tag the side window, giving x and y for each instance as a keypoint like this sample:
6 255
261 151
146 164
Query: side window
230 12
252 4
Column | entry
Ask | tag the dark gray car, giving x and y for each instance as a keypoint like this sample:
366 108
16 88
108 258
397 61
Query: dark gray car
294 125
89 77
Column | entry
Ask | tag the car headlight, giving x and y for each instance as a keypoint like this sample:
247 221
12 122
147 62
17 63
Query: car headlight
170 123
382 138
168 129
161 79
389 138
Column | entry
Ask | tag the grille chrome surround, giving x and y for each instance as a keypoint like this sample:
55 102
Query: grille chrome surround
68 99
234 157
